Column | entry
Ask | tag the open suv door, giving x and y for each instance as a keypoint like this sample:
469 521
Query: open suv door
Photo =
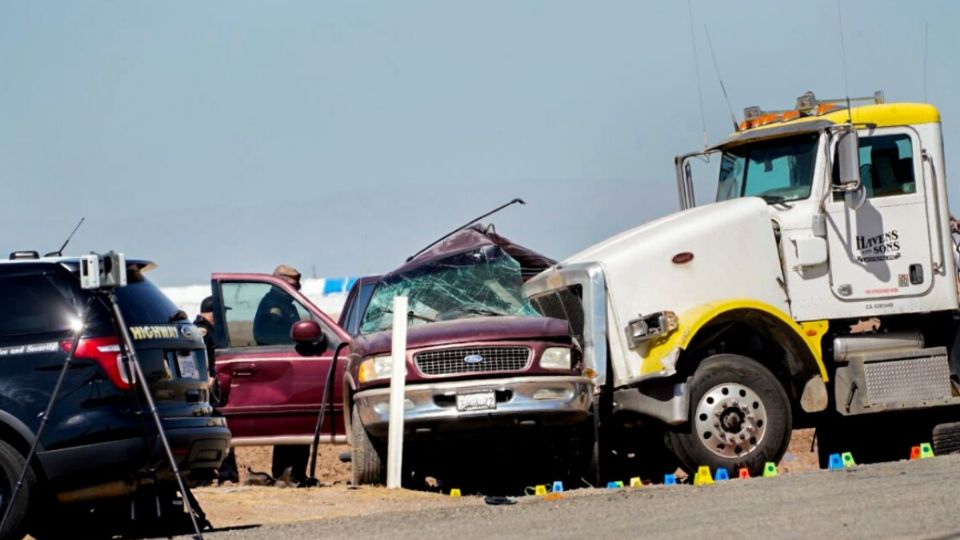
271 387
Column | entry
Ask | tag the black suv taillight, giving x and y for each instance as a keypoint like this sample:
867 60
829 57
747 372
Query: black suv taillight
106 352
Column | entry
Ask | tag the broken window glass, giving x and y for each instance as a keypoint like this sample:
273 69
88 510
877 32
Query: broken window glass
477 283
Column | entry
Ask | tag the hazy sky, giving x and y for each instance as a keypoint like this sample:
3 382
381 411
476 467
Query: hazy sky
343 136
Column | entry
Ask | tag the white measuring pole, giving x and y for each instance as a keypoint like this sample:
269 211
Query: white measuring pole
397 380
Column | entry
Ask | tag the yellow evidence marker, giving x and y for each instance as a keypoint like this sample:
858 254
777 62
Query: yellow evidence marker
703 476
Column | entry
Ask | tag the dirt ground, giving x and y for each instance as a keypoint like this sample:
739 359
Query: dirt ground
330 470
233 505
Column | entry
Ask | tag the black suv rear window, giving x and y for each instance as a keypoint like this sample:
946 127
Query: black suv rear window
33 305
142 302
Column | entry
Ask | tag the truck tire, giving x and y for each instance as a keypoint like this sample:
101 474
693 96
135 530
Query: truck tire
946 438
740 416
11 462
366 461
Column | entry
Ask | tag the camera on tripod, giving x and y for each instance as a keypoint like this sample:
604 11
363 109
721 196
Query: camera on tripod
106 271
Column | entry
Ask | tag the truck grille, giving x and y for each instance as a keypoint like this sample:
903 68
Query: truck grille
472 360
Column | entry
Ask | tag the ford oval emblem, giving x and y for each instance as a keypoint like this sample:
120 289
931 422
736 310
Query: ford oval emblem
472 359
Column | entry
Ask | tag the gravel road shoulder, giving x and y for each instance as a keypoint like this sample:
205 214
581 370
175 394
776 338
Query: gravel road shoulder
902 499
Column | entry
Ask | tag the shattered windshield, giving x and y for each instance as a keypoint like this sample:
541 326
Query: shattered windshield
478 283
777 171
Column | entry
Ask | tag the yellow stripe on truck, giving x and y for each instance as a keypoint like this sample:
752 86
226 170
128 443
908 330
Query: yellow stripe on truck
691 321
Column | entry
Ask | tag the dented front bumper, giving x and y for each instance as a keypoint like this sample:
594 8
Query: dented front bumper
432 409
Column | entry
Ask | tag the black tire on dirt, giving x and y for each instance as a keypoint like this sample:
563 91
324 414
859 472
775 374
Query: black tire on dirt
11 462
578 455
946 438
366 460
589 470
740 416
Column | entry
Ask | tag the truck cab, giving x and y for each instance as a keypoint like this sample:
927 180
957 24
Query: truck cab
817 288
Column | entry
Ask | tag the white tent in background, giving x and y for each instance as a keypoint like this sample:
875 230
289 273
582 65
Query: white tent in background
328 294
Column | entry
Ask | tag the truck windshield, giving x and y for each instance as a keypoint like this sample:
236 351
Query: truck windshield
477 283
777 171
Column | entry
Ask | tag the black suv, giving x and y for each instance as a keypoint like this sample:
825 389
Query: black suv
100 441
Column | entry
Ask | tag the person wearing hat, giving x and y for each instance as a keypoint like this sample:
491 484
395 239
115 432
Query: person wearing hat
275 316
204 323
276 312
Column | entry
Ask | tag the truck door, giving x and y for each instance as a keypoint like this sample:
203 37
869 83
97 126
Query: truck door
273 393
882 250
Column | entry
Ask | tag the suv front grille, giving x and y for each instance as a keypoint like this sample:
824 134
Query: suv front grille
481 359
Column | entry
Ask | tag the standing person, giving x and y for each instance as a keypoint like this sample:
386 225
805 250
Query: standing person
205 323
276 312
275 315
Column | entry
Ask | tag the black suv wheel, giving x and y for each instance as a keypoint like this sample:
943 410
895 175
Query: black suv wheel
11 463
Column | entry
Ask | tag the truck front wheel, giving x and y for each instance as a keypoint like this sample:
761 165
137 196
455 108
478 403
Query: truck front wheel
739 417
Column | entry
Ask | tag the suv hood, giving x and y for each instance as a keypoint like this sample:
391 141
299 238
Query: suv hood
467 330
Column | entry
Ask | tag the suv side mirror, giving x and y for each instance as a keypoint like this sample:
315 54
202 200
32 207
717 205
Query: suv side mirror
308 335
848 156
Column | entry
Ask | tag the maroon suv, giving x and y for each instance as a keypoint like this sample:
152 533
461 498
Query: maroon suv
481 362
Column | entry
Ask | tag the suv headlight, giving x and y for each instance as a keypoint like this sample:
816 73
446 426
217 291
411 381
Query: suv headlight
555 358
378 367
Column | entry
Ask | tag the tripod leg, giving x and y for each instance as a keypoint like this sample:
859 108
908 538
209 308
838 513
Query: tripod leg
201 515
142 382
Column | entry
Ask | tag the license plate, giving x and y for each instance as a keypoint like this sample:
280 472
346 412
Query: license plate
476 401
188 366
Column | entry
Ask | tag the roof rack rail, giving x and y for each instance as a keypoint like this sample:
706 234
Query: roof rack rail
24 254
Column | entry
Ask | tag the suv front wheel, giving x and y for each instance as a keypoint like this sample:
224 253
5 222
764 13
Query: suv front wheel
366 459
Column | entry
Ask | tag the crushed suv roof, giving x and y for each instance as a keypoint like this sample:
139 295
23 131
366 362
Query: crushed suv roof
476 236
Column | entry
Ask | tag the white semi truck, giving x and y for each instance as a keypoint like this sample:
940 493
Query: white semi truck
818 290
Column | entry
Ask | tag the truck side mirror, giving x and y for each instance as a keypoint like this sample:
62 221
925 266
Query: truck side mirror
848 156
309 337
